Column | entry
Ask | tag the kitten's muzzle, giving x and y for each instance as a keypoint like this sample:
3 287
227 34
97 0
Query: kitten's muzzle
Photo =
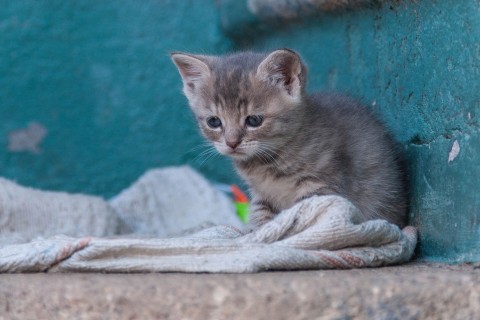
232 144
235 151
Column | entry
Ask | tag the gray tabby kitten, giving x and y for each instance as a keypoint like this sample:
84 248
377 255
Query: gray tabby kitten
288 145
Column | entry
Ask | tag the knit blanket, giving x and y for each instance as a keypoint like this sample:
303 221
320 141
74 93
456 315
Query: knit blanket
321 232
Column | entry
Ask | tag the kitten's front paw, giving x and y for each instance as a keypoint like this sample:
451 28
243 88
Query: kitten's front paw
257 219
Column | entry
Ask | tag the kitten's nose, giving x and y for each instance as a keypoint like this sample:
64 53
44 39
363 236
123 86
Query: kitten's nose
232 144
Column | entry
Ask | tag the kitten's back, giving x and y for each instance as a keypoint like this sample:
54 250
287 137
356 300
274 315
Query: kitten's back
375 171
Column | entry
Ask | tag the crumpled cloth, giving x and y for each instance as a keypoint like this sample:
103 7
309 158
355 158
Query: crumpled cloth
162 202
321 232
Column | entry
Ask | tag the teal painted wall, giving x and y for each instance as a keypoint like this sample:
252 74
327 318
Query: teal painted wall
96 75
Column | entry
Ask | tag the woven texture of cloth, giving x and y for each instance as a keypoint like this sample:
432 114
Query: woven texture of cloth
321 232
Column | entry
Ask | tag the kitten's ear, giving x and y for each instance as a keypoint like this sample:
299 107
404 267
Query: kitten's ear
192 69
284 68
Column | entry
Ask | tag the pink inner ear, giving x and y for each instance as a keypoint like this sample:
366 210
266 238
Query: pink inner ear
191 69
285 76
190 74
281 68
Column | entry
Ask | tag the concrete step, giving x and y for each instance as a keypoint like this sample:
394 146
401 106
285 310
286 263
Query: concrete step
414 291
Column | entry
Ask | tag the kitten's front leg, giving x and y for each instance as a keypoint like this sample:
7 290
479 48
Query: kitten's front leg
261 212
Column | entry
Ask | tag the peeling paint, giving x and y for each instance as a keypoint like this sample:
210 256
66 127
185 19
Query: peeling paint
454 151
27 139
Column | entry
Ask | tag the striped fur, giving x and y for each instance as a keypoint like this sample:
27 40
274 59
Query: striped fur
307 144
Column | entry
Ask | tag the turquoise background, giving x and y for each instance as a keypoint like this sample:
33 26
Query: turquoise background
97 76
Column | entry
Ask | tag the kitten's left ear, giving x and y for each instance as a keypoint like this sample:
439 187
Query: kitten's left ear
284 69
192 68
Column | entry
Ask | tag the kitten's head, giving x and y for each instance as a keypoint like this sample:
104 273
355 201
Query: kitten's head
245 103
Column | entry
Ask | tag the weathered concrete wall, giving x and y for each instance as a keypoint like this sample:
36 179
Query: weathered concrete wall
418 64
96 80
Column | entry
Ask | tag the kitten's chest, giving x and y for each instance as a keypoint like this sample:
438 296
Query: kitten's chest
281 191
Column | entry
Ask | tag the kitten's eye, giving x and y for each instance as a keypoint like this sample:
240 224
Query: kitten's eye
254 121
214 122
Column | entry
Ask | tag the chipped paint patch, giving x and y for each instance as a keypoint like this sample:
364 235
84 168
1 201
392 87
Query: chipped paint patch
27 139
454 151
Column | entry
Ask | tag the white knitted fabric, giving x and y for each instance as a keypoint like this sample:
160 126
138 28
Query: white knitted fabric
318 233
26 214
169 201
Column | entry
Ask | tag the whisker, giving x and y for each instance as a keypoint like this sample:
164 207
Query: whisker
211 156
267 157
273 155
273 149
262 155
206 154
204 144
280 159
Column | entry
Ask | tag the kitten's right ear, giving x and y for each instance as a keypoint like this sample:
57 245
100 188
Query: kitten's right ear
192 69
284 69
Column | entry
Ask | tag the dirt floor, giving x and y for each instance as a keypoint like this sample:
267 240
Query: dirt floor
414 291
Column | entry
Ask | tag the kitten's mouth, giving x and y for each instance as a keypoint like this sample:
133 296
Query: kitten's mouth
235 153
